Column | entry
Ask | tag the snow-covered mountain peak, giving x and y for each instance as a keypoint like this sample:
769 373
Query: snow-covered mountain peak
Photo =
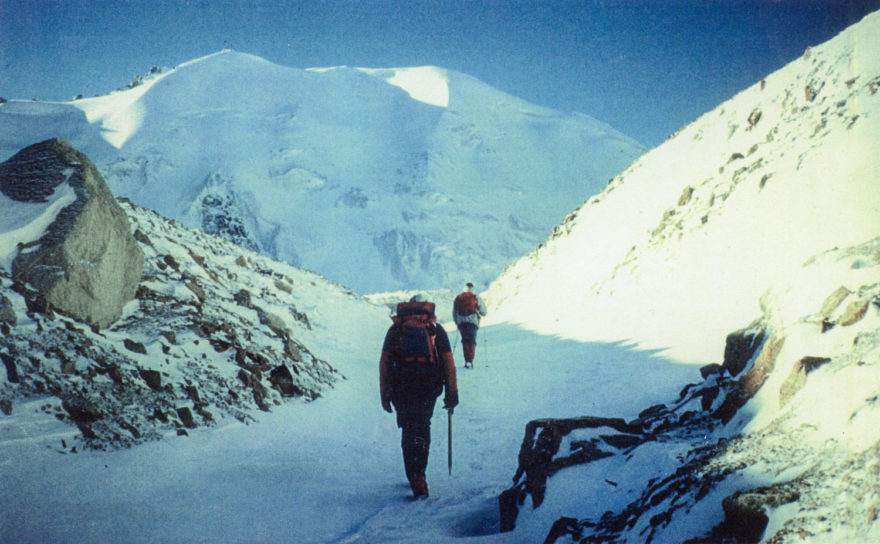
381 179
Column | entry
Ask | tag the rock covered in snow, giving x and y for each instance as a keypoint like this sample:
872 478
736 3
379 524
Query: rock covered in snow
86 264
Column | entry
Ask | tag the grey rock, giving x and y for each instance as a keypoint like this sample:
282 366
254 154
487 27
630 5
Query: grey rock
243 298
741 346
854 312
87 264
152 378
798 377
136 347
7 312
82 410
186 417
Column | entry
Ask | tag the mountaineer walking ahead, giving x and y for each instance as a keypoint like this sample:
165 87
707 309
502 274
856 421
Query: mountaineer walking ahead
467 310
415 367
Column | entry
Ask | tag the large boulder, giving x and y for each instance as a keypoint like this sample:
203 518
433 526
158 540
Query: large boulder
86 264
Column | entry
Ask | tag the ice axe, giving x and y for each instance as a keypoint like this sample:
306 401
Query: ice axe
449 445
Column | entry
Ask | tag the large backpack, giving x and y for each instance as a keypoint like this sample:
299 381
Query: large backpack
414 360
466 303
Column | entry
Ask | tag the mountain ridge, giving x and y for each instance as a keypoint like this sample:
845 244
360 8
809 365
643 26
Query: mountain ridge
320 168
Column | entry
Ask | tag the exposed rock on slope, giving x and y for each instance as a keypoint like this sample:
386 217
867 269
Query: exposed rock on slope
86 264
778 443
741 214
216 332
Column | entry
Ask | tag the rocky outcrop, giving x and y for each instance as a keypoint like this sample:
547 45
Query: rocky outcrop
787 418
87 264
209 337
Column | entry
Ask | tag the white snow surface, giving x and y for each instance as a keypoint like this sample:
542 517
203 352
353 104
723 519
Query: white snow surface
426 84
330 470
422 176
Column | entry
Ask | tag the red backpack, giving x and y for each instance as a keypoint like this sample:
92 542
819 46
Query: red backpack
417 324
414 359
466 303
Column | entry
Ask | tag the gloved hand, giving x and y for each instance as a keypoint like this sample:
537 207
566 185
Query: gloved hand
386 405
450 401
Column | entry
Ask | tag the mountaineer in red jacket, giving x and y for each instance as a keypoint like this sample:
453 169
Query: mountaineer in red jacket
415 367
467 310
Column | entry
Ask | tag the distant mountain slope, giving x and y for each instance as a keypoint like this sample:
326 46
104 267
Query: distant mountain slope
677 250
379 179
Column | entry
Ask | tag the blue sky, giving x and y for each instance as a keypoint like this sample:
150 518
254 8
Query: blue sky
645 67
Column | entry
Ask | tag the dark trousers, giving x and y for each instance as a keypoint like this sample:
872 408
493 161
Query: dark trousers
414 420
468 340
468 333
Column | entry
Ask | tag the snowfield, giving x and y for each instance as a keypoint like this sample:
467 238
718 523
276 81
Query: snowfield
677 251
329 470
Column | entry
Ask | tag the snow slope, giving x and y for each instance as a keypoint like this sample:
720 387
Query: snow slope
214 332
421 176
677 250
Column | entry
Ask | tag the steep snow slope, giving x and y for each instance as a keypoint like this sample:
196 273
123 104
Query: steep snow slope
751 235
676 251
380 179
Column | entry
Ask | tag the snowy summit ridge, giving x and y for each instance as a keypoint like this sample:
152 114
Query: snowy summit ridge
422 176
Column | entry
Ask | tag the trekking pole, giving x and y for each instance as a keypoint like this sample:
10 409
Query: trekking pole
449 445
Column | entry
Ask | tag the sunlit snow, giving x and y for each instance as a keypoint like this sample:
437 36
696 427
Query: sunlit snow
426 84
120 114
605 318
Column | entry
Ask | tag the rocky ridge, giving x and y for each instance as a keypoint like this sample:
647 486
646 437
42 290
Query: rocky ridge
740 197
214 332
